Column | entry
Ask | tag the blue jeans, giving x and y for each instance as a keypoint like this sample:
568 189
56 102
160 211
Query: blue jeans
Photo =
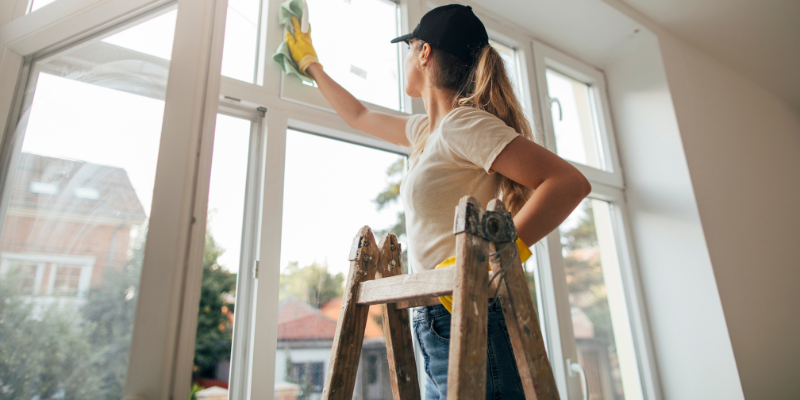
432 327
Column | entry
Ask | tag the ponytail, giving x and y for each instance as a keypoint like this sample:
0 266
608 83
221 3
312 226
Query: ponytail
484 85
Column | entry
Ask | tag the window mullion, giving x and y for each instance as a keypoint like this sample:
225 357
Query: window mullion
267 285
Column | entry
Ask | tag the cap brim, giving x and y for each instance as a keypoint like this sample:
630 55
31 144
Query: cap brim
403 38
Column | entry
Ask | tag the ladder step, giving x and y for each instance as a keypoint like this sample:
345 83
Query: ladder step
433 283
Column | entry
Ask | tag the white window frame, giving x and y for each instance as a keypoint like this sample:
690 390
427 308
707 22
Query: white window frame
547 57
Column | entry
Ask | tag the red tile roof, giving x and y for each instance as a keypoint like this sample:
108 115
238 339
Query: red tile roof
300 321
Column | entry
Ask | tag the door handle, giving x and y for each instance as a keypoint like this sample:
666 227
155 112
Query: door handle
560 112
572 368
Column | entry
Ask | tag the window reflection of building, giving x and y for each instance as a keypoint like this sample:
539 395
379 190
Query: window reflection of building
67 222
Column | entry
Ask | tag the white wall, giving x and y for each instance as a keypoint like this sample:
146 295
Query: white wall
693 354
712 163
742 147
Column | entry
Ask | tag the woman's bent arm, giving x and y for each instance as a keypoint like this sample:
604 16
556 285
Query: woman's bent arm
559 187
384 126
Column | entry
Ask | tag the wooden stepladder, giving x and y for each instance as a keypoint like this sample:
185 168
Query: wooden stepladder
375 278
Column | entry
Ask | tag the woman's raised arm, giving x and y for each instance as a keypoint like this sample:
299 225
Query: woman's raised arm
381 125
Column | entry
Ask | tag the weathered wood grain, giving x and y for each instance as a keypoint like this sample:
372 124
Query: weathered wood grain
396 327
428 301
523 323
437 282
343 367
466 375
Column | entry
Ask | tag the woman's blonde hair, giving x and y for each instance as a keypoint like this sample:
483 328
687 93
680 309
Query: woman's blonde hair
484 85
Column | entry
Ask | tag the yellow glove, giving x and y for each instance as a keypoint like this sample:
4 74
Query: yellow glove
301 48
447 301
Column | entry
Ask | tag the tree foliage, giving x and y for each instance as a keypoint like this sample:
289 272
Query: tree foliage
312 284
43 353
81 352
584 272
214 328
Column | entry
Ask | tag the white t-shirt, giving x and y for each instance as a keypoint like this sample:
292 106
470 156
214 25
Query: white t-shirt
455 162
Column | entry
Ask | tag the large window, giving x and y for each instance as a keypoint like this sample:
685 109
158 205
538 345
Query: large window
73 232
575 115
80 186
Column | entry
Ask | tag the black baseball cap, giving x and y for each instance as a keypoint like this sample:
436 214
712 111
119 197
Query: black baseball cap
453 28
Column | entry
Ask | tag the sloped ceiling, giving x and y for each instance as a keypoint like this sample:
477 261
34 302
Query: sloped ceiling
759 39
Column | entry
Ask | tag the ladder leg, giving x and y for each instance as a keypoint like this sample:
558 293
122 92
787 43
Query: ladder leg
340 379
396 329
466 374
523 323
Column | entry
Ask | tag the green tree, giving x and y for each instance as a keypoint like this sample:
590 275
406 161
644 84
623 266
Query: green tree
44 353
214 331
584 272
110 309
312 284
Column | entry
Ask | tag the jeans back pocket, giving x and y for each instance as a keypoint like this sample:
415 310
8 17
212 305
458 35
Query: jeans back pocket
440 328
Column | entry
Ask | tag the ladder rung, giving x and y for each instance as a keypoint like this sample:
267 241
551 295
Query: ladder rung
433 283
428 301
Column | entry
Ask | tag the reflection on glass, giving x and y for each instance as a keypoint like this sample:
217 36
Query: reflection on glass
241 34
79 196
599 313
352 38
574 120
331 190
221 262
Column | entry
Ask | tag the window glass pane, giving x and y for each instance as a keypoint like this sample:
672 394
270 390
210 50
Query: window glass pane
574 120
352 38
241 34
599 313
331 190
221 261
80 191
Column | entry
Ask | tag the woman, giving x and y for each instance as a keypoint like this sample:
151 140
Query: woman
473 139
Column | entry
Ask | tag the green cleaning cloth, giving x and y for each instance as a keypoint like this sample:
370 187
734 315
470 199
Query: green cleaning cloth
289 9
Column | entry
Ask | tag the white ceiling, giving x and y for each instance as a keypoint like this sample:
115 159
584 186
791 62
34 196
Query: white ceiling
589 30
758 38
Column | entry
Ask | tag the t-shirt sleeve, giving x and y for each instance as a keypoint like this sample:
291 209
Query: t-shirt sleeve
476 136
414 127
